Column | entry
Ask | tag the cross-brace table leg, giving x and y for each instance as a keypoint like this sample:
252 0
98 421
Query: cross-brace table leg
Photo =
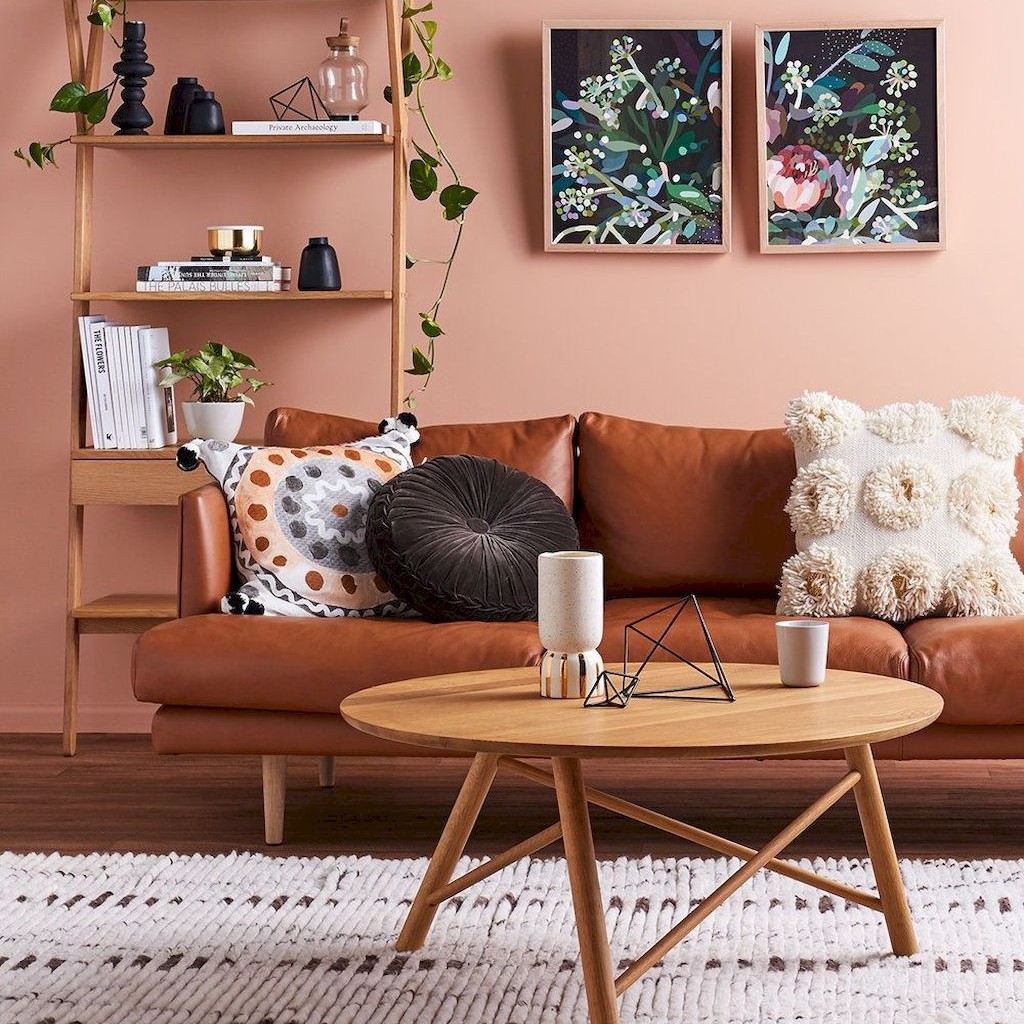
574 827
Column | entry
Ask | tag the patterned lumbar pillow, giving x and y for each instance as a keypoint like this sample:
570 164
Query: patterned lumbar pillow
904 511
298 518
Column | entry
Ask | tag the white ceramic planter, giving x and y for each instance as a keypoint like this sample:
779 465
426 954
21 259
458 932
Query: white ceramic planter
214 421
570 618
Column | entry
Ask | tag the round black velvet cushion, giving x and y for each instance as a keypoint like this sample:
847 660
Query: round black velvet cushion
458 538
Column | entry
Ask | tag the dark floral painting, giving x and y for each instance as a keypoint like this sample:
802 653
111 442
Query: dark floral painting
852 137
636 151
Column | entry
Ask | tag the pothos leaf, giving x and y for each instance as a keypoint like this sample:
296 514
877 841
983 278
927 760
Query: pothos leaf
442 70
35 152
422 179
94 106
429 326
410 261
68 98
408 11
387 93
421 365
456 199
428 158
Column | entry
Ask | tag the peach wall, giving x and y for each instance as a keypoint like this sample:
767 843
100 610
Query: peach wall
717 340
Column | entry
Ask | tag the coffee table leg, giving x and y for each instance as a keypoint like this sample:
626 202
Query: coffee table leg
449 849
586 891
875 824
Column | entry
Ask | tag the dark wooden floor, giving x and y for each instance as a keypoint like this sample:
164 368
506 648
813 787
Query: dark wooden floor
118 795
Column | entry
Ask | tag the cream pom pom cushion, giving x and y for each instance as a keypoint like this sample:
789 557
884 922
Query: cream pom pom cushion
904 511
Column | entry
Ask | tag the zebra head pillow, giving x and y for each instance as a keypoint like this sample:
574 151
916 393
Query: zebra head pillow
298 519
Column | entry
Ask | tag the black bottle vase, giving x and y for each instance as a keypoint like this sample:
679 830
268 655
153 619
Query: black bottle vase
318 268
183 92
204 115
132 118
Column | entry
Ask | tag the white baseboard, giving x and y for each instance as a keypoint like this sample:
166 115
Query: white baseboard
91 717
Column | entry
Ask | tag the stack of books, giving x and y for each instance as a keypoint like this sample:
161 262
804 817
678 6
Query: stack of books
211 274
127 408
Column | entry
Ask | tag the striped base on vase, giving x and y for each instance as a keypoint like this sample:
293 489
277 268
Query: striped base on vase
569 675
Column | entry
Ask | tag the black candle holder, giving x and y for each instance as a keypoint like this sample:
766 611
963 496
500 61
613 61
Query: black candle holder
132 117
614 689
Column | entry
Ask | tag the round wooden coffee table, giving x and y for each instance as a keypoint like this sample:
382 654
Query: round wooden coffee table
498 716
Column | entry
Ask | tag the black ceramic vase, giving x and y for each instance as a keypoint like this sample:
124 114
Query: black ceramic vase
183 92
204 115
132 118
318 269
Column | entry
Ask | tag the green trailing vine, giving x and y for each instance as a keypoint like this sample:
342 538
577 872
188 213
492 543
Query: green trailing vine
75 97
420 66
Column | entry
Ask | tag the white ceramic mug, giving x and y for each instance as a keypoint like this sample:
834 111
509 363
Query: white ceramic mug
570 618
803 651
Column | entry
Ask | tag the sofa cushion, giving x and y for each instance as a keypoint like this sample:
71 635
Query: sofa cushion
281 664
678 509
543 448
459 537
976 664
743 630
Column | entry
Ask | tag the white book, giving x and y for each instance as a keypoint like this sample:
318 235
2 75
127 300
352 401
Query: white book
212 286
136 393
218 263
104 391
124 379
112 342
308 128
161 423
85 324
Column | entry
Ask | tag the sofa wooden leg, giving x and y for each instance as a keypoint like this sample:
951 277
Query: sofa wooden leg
327 771
275 768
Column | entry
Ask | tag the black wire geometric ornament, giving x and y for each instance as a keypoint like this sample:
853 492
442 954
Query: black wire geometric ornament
615 689
287 105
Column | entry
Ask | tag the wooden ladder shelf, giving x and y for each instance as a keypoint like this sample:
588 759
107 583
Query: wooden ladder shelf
149 477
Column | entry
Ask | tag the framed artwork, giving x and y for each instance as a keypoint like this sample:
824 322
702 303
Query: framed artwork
850 137
637 136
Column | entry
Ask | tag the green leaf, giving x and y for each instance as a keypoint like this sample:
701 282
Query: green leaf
430 327
456 200
387 93
422 179
68 98
865 63
20 154
410 260
35 152
102 14
94 106
444 72
428 158
410 402
429 29
408 11
421 365
412 72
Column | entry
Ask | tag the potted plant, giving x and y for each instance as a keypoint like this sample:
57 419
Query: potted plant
221 385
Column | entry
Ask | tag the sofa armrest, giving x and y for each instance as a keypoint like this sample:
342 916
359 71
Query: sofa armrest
205 562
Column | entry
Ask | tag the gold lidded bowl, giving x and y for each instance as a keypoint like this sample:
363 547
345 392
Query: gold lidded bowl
235 239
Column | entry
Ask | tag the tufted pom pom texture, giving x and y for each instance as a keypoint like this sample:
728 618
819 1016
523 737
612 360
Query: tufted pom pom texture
904 511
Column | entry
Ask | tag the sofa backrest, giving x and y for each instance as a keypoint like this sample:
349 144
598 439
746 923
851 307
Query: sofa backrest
675 509
543 448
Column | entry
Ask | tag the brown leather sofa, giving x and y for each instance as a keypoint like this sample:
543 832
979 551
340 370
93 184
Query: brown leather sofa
673 509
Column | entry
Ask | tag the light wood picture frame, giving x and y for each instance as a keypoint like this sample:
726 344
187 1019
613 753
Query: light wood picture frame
851 137
637 136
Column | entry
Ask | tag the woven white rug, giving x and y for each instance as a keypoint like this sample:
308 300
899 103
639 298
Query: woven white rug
126 939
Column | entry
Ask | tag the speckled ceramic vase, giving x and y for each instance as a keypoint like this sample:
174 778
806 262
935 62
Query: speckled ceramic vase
570 617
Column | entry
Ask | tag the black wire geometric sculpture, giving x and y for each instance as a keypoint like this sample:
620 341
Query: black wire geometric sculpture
616 689
283 107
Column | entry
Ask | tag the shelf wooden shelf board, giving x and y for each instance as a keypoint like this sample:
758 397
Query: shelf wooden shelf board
352 295
230 141
125 613
144 454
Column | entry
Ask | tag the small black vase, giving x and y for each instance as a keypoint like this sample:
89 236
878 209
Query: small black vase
183 92
318 269
204 115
